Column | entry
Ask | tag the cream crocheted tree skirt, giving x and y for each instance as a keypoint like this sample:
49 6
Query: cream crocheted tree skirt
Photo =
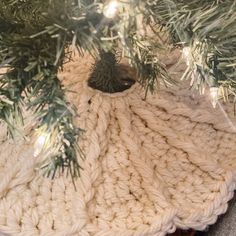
151 166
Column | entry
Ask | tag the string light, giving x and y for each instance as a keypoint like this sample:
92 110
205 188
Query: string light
40 143
110 9
187 55
214 91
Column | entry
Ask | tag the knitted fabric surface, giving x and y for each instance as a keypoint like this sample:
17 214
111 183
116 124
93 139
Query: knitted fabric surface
151 165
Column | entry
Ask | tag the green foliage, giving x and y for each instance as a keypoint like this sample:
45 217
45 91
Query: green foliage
35 35
208 27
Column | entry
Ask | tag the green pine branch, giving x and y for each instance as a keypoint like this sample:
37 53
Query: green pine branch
208 28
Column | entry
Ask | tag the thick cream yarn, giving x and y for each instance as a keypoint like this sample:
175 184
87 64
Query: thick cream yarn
151 166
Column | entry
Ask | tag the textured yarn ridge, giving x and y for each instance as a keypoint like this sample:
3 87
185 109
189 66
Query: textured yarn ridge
151 165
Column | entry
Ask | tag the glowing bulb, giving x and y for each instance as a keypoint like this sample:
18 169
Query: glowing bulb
40 143
110 9
214 95
187 55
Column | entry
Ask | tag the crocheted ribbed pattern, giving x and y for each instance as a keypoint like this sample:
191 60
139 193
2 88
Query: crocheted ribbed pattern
151 166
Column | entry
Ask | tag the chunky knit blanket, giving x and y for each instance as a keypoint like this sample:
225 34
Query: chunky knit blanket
151 166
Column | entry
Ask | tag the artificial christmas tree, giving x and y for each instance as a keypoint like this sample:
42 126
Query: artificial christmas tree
149 162
35 36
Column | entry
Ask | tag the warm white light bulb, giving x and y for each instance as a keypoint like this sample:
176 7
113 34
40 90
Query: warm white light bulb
214 95
187 55
110 9
40 143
